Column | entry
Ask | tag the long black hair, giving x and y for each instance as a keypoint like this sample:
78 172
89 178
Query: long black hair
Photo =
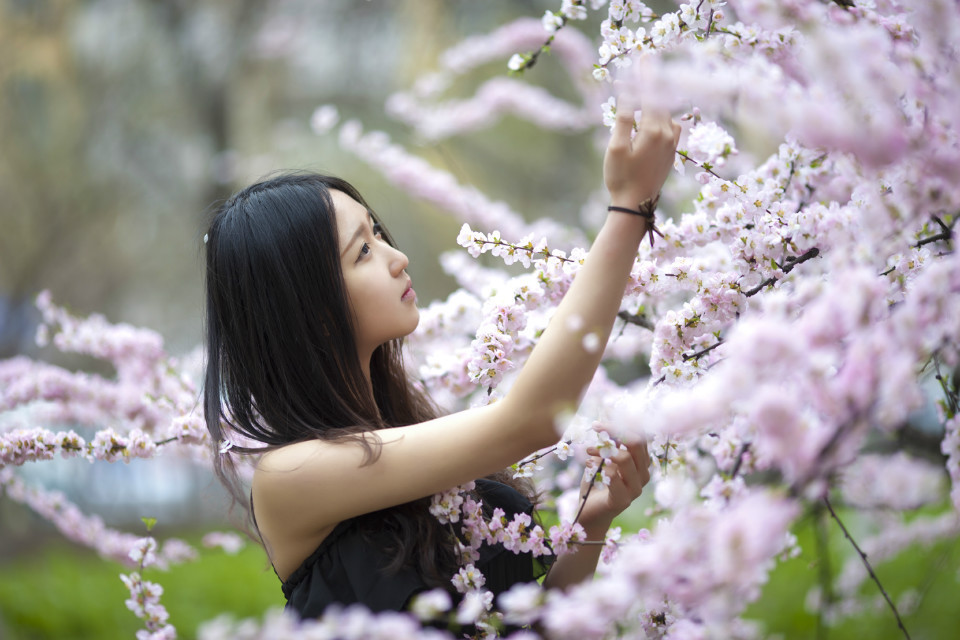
282 365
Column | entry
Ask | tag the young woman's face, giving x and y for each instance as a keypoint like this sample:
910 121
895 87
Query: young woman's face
380 291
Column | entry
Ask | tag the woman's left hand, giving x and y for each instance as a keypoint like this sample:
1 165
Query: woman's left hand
629 472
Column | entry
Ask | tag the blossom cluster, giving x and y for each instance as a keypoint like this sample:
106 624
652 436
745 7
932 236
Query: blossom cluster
88 530
807 281
434 118
144 600
518 534
148 406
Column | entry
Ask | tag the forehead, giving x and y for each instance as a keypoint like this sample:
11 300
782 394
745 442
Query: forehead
350 215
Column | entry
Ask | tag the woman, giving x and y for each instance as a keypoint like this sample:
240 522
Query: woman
307 303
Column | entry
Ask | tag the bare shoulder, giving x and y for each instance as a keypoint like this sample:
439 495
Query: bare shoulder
304 466
291 486
289 458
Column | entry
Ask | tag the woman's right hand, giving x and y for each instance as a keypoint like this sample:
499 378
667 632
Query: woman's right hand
635 169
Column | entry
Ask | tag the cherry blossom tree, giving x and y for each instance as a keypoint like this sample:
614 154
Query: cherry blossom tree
801 303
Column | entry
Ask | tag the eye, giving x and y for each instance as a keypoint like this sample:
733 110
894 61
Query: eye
364 251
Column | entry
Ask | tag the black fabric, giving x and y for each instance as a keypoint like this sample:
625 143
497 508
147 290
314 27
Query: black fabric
347 568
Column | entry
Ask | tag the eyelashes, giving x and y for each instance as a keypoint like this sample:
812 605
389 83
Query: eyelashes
365 248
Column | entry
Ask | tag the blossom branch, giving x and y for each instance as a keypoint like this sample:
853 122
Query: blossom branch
633 318
788 265
144 599
946 234
529 250
866 563
739 463
553 21
20 446
709 169
538 456
528 60
586 494
950 391
702 352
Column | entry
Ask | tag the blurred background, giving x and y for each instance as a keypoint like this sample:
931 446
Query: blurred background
123 123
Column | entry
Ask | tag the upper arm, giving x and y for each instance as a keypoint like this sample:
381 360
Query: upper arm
313 485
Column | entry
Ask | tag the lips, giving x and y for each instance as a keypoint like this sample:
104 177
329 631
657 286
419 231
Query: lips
409 293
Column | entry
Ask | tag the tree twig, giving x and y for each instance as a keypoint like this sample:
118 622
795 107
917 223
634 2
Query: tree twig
702 352
866 563
949 391
945 235
633 318
708 169
583 501
787 267
739 463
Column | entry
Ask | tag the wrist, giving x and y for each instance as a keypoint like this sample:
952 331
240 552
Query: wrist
645 210
596 524
632 199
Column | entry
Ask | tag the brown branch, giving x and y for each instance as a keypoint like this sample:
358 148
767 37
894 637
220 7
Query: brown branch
736 465
586 494
534 55
866 563
791 262
538 456
702 352
942 224
686 156
787 267
533 254
950 392
633 318
946 235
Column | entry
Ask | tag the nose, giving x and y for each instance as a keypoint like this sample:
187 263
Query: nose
398 261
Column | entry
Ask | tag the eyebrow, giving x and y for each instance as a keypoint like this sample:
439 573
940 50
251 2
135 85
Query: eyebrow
356 234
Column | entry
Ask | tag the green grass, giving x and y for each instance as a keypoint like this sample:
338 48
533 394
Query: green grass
68 593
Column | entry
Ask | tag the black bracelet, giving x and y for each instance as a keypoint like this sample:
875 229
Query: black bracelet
646 211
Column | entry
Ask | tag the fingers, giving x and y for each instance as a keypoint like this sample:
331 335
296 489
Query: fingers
641 455
623 126
654 116
658 128
634 473
630 466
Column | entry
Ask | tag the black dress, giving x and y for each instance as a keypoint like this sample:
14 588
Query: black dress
347 568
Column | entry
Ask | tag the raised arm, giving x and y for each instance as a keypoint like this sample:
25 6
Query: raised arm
302 490
559 369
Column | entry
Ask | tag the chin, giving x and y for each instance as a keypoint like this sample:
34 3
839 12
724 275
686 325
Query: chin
416 323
